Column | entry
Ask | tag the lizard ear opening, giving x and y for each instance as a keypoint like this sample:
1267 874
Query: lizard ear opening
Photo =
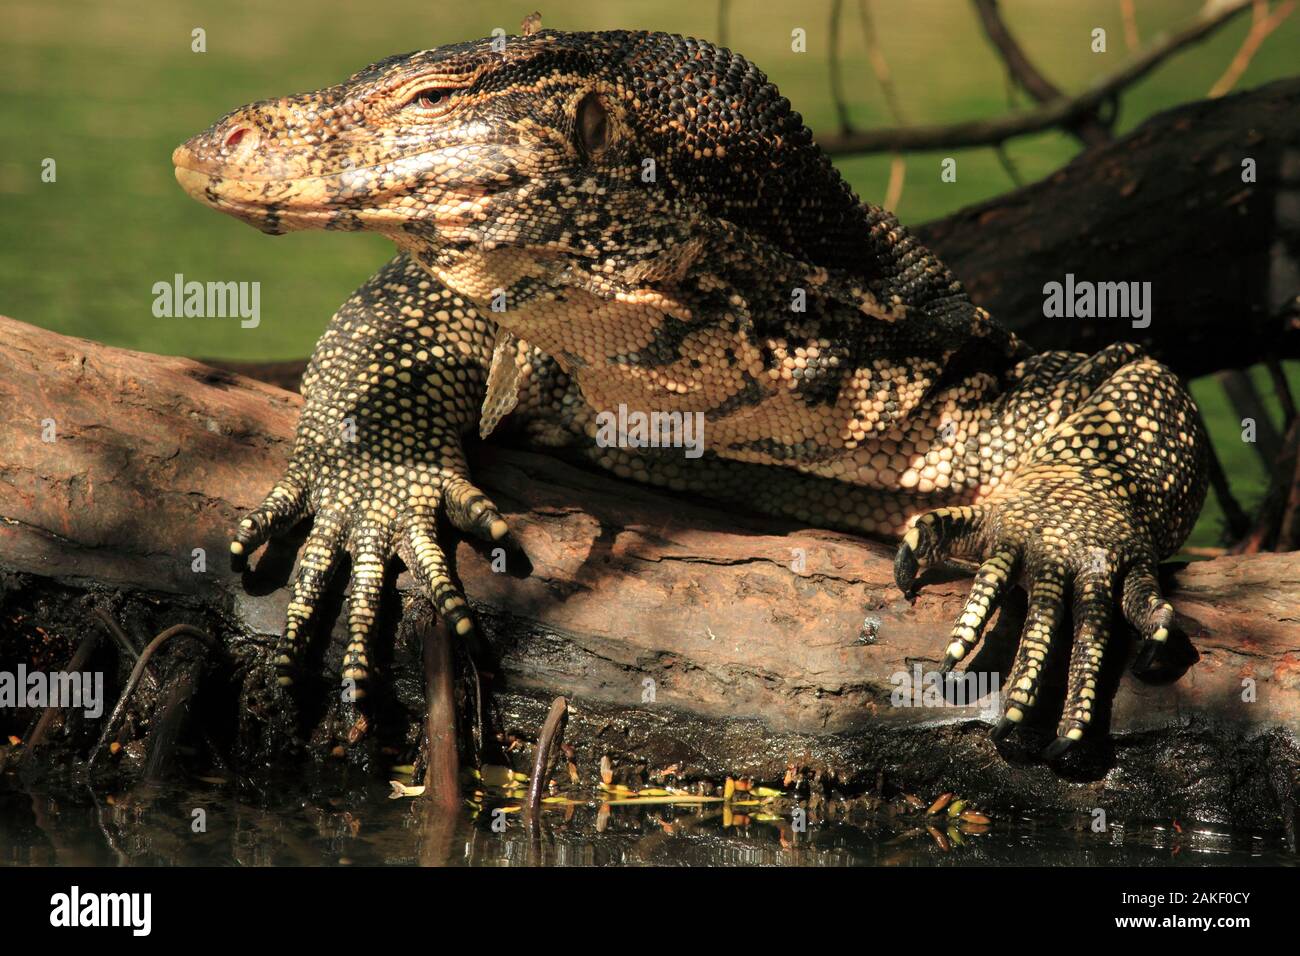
592 126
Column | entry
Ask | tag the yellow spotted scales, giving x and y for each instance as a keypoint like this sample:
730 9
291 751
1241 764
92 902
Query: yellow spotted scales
593 220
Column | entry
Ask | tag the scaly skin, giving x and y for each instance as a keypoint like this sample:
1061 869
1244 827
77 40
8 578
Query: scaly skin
588 220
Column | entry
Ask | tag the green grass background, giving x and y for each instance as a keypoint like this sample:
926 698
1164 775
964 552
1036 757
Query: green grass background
108 87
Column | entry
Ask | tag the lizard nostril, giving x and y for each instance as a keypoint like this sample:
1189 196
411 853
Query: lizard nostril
236 136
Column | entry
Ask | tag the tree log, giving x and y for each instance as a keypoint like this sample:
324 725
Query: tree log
679 634
1167 204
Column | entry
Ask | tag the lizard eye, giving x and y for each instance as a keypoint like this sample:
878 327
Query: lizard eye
431 98
593 125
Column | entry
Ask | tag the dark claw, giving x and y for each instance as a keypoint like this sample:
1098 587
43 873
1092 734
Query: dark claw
949 662
1146 657
905 568
238 562
1057 747
512 546
1003 727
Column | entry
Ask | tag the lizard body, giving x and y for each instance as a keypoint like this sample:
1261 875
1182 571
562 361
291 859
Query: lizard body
589 220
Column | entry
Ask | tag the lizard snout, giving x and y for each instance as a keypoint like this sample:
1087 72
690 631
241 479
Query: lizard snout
228 144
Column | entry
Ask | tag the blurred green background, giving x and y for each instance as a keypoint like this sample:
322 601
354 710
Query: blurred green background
107 89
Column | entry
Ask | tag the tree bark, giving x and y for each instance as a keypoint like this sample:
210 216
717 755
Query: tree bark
1168 204
680 634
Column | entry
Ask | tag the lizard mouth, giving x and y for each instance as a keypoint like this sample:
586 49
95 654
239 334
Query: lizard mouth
345 200
273 207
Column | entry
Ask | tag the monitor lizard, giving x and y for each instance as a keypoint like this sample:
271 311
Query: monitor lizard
593 220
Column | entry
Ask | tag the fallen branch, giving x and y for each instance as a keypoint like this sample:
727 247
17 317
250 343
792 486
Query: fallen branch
756 667
1058 112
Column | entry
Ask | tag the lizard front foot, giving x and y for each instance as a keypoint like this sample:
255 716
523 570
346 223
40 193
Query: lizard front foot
371 504
1064 538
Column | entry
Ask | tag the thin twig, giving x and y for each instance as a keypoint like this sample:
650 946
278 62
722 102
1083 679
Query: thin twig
80 658
1262 24
124 642
880 67
167 725
550 737
442 756
1088 129
1017 62
897 175
1233 513
1277 521
1201 551
988 132
1288 532
1129 14
150 677
1282 388
833 65
1011 89
137 673
1247 403
1000 151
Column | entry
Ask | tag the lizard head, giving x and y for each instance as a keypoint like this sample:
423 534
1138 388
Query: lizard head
604 149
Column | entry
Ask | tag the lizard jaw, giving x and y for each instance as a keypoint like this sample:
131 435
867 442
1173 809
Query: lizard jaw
234 198
294 203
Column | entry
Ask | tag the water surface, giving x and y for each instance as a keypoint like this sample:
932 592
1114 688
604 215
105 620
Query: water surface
208 823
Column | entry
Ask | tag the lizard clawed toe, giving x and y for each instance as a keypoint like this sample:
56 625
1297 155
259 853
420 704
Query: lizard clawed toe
934 535
1055 559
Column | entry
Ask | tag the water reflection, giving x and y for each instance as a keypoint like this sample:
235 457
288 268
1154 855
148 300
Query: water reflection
210 824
